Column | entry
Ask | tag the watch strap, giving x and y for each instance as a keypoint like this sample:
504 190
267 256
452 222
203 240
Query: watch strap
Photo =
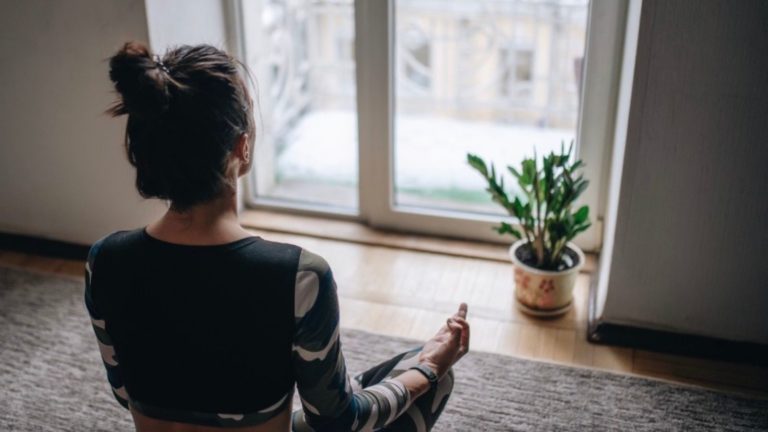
428 373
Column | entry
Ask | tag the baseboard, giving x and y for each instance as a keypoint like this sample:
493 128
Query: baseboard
45 247
607 333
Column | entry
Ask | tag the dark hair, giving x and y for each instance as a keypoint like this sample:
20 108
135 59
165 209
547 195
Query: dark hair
186 110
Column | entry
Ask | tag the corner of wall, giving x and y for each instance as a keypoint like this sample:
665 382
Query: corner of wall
617 160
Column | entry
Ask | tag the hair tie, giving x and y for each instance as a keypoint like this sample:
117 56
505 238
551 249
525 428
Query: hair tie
159 63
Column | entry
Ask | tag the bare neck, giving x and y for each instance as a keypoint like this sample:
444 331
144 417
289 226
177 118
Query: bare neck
209 223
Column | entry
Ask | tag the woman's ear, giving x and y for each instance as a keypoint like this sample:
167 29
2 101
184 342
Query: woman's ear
242 152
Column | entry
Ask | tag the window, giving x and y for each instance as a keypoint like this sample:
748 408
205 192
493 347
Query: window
415 65
516 70
376 123
302 54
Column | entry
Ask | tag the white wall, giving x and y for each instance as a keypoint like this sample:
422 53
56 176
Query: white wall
63 172
690 241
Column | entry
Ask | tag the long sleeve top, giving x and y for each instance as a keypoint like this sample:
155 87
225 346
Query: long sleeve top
220 335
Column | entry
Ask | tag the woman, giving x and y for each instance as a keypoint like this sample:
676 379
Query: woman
203 326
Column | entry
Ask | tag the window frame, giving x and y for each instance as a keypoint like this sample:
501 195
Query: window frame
376 123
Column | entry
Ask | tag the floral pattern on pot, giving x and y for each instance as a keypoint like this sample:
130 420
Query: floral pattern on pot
544 290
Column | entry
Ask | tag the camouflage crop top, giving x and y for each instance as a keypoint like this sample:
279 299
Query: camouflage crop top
220 335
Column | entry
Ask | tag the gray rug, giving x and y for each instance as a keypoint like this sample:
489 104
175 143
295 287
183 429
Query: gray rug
51 379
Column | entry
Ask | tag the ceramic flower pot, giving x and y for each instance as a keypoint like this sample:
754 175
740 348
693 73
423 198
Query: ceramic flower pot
544 292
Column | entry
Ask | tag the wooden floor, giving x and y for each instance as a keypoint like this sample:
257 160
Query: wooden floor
409 293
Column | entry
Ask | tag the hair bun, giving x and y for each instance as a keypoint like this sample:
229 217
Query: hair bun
141 81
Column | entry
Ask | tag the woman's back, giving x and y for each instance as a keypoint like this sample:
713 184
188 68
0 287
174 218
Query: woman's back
199 329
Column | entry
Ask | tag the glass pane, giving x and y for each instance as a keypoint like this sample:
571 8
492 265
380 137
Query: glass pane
302 55
499 78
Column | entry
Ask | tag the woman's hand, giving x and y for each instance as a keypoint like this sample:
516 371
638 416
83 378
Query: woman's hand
449 344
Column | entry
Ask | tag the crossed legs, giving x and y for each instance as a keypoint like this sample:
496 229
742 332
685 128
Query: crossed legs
424 412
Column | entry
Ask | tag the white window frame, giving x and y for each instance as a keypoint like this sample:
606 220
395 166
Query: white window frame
376 116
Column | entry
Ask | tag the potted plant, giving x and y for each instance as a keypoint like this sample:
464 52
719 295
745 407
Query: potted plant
546 263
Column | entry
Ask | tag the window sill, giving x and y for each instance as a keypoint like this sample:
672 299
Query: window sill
356 232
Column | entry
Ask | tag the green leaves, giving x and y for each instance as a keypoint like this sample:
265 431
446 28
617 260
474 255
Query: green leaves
529 172
544 208
477 163
506 228
519 210
581 215
495 186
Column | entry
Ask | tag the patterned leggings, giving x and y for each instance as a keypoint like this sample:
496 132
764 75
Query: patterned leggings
423 412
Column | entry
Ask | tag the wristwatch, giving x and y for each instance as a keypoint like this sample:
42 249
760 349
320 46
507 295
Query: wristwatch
427 372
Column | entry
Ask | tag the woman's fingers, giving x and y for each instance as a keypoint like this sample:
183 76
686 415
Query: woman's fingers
465 339
462 313
460 330
461 321
464 335
455 327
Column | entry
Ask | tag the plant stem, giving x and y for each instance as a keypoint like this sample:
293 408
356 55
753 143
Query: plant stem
527 235
539 232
